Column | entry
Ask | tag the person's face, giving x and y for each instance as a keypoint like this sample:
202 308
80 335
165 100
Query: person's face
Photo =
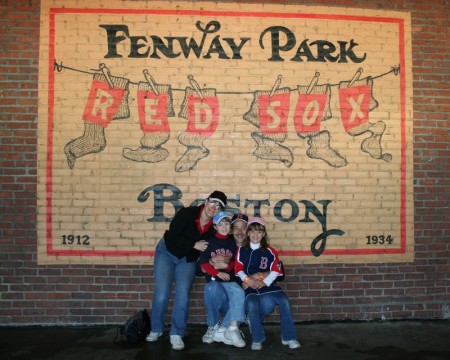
212 207
238 230
223 227
256 236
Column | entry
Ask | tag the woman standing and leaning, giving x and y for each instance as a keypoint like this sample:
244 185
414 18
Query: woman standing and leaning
175 260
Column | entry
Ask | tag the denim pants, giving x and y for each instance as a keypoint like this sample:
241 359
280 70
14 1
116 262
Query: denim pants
236 303
168 268
259 306
216 302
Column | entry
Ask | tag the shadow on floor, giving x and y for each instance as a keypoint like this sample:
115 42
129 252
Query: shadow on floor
397 340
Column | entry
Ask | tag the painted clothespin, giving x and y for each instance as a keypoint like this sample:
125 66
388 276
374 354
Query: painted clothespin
107 74
150 81
195 86
57 67
276 85
395 68
313 83
355 77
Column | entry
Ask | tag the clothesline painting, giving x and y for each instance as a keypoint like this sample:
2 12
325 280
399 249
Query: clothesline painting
269 112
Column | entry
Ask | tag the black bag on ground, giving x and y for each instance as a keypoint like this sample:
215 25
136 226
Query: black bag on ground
135 329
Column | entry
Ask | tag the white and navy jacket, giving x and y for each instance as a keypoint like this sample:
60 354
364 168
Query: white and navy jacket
252 261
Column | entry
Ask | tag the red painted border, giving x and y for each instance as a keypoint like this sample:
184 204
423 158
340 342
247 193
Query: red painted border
120 253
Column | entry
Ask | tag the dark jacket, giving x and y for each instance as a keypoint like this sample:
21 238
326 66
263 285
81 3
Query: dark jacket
218 246
183 233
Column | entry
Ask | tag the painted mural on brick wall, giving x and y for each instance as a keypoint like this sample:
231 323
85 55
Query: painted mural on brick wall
301 115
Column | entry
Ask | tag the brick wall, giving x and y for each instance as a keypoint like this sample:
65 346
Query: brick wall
105 294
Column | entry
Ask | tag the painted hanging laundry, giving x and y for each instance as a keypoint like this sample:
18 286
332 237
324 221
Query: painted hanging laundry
269 111
155 106
107 101
201 108
356 101
313 106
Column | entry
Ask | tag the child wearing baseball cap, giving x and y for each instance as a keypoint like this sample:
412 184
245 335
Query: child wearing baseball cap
223 244
258 266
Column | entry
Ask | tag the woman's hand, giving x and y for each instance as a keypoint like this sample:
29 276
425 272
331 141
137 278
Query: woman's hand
201 245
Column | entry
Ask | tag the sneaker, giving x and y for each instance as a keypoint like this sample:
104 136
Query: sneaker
256 346
153 336
208 338
293 344
219 336
177 342
235 337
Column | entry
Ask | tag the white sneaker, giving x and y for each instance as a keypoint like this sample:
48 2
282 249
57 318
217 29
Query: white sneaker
208 338
293 344
153 336
219 336
235 337
256 346
177 342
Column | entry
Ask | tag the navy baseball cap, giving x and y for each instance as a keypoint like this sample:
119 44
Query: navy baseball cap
239 216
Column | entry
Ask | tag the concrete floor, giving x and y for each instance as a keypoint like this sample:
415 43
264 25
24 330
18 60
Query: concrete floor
397 340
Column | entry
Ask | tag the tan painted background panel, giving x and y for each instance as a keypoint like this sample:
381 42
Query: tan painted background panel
94 198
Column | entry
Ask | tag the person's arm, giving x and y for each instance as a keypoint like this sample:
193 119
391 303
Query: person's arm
282 275
206 267
223 276
275 269
182 238
176 237
260 275
230 267
247 281
220 262
205 258
238 265
269 279
250 281
241 275
263 275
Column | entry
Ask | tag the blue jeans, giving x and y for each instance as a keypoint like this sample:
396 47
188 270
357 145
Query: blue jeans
226 298
236 303
216 301
168 268
259 306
